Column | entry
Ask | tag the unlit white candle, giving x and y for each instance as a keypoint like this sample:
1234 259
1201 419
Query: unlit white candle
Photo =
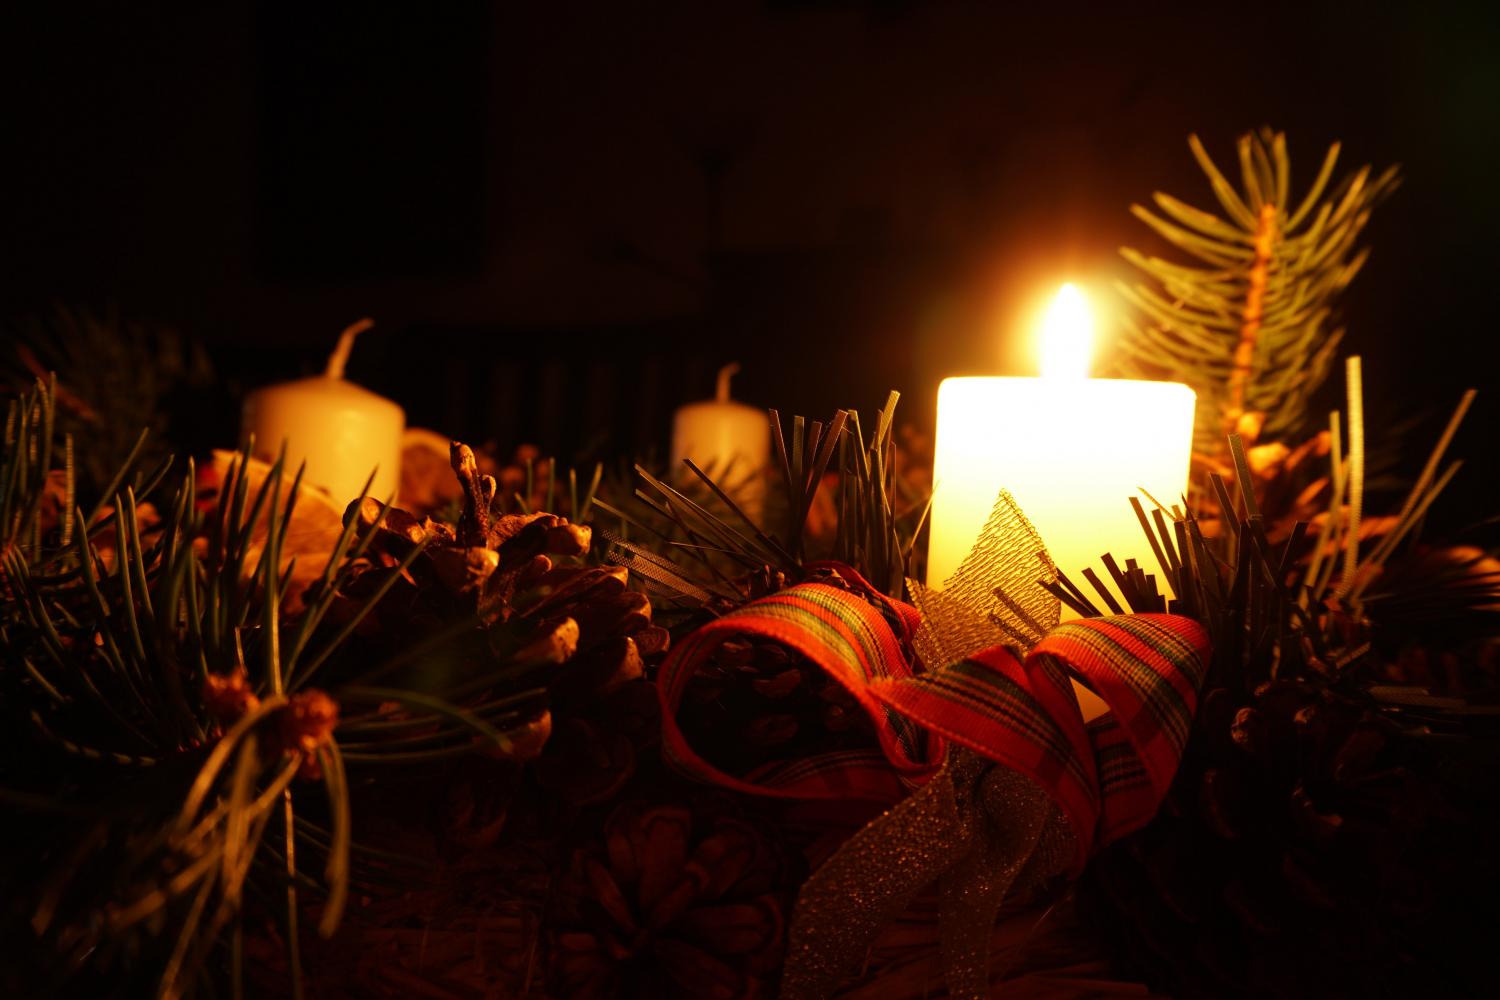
342 431
724 437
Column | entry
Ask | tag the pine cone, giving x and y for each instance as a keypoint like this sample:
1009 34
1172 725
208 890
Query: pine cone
1306 849
1291 483
1436 603
605 710
672 905
608 616
591 756
757 701
570 628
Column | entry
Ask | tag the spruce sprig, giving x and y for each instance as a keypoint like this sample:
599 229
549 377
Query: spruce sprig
1251 325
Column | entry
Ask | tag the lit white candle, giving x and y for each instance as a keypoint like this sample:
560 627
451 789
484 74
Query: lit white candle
722 436
1072 451
342 431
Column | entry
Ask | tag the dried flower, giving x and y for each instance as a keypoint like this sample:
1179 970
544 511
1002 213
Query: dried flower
228 696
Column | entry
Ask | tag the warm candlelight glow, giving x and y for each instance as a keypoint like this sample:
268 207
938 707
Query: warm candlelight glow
1072 450
1067 335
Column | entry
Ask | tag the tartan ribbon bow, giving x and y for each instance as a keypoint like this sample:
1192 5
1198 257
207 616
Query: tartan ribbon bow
1107 777
1026 791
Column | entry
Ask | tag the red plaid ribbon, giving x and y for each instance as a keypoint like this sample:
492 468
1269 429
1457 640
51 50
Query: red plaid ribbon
1108 777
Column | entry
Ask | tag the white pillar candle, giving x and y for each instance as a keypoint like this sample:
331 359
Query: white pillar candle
724 437
342 431
1071 450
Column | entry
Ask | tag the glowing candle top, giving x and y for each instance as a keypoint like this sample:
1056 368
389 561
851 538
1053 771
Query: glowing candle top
1072 450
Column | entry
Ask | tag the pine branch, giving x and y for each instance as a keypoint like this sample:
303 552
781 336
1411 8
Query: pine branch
123 630
114 376
1250 325
1280 610
708 551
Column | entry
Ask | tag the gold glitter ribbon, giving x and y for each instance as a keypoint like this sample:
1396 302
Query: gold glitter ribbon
980 830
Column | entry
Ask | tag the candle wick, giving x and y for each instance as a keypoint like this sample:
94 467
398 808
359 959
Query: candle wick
721 392
340 356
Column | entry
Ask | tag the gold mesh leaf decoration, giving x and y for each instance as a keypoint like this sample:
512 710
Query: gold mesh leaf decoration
993 598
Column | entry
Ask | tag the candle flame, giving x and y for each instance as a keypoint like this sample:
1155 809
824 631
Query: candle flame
1067 335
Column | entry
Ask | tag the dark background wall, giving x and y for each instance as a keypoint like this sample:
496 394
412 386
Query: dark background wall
565 216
